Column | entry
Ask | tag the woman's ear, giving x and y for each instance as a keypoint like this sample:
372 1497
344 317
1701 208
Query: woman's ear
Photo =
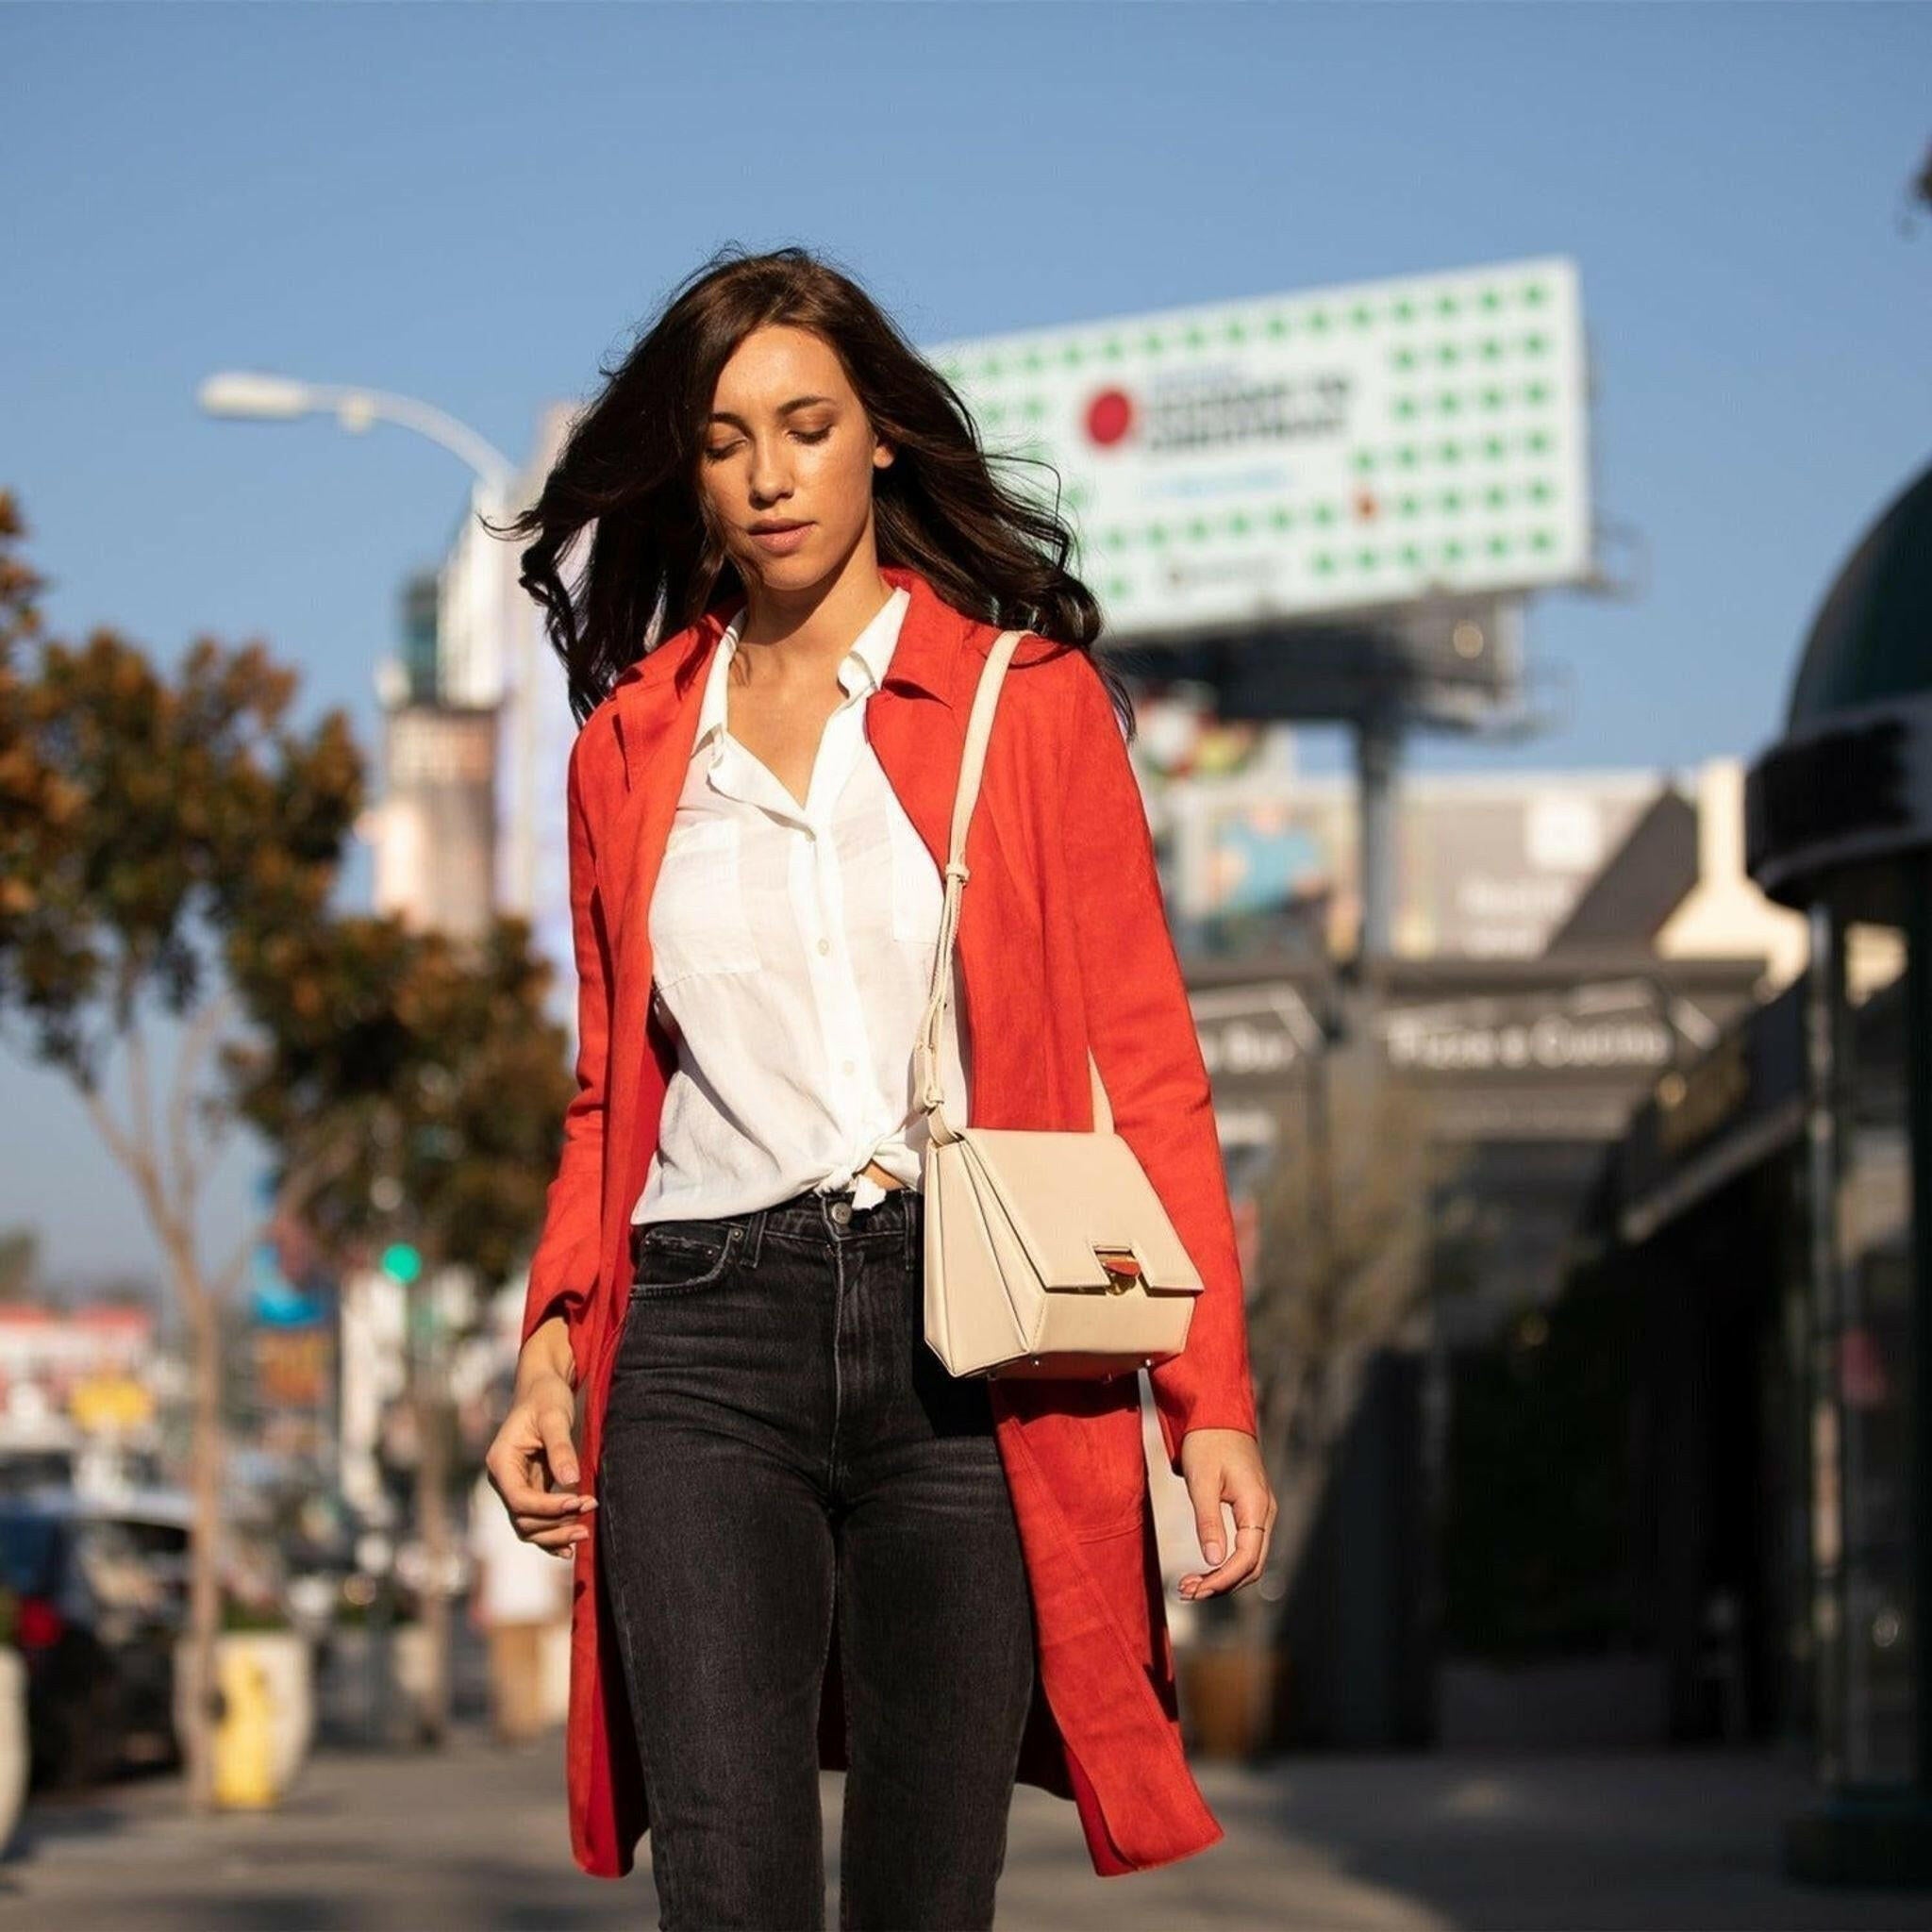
882 455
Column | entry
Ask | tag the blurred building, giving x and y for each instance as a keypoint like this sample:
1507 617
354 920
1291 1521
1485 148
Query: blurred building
1503 866
1734 1378
492 656
83 1393
1566 943
434 827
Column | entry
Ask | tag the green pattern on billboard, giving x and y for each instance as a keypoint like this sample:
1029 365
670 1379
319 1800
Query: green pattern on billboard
1297 455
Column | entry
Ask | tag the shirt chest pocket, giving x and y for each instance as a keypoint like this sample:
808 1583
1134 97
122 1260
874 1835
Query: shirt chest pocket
699 919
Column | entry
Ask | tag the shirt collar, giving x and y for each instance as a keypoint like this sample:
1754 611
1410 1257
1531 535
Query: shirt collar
863 663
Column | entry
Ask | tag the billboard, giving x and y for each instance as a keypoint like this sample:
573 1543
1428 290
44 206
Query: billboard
1489 867
1379 444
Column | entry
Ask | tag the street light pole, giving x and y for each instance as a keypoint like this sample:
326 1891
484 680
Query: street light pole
282 398
253 396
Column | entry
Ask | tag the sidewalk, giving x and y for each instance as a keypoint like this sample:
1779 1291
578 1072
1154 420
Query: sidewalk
475 1838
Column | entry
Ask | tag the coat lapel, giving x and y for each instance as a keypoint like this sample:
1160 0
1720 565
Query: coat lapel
656 706
910 721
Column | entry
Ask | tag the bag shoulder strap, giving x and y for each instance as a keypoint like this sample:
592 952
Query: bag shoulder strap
925 1056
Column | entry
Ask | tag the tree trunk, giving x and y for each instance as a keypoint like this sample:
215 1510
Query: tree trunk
205 1600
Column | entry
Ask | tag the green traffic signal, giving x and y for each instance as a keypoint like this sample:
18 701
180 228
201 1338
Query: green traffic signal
402 1263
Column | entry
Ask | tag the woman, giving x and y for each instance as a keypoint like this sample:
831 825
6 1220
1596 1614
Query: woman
810 1546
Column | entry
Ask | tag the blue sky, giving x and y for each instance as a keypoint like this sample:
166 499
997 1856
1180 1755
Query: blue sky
478 204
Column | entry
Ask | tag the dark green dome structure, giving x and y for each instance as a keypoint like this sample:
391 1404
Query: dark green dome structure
1839 821
1873 637
1849 786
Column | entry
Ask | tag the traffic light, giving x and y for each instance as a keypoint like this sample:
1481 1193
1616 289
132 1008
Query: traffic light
402 1263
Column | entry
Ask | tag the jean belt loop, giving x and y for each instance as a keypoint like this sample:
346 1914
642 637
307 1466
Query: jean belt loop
753 1237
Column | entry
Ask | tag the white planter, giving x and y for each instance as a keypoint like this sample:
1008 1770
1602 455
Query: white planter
14 1743
287 1661
412 1670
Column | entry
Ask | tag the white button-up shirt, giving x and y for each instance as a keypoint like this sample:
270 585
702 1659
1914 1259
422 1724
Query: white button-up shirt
792 949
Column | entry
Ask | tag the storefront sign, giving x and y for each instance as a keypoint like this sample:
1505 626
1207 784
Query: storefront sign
1534 1044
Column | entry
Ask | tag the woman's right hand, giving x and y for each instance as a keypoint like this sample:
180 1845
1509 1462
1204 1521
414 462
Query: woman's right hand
532 1463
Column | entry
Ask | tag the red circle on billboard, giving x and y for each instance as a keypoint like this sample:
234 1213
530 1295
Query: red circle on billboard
1109 416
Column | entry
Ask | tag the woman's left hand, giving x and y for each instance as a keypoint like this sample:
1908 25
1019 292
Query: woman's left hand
1222 1466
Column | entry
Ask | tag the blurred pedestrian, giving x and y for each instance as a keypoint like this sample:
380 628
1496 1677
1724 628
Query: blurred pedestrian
813 1546
518 1600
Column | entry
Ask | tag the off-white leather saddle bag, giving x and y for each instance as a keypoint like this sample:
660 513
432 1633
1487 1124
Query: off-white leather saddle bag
1046 1253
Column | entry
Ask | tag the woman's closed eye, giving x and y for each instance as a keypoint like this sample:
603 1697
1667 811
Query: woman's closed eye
718 456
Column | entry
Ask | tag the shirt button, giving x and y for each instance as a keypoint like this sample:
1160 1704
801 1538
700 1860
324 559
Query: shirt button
824 945
846 1064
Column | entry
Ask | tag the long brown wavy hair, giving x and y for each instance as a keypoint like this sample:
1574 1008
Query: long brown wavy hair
629 467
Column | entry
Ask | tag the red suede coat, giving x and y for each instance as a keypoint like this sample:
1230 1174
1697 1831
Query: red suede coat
1063 942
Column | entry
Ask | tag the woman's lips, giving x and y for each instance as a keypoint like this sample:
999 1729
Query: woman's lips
781 543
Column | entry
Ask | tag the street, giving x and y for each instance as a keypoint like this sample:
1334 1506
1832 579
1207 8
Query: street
474 1836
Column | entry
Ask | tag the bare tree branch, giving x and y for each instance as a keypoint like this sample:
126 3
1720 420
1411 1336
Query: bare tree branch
125 1148
142 1128
195 1042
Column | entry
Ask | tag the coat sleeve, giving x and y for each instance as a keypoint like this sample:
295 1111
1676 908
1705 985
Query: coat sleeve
1142 1032
563 1268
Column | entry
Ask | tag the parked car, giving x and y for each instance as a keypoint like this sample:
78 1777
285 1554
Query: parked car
101 1592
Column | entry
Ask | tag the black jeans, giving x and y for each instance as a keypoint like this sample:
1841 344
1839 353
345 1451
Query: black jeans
780 1447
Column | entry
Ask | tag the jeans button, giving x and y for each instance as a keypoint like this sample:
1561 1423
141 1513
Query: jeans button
841 1212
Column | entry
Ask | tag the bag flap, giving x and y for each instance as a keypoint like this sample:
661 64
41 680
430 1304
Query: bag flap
1065 1195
